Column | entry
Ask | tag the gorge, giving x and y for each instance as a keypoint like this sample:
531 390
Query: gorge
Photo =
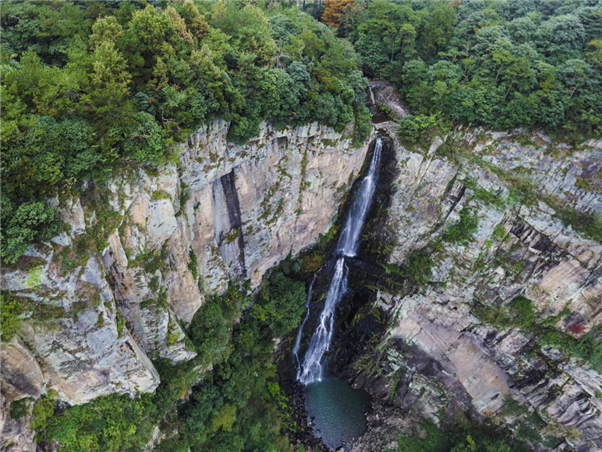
301 226
338 418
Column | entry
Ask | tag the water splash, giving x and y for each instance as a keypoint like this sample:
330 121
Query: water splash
312 368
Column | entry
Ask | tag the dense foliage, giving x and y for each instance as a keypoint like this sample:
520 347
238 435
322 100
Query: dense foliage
87 85
463 437
237 406
10 310
502 64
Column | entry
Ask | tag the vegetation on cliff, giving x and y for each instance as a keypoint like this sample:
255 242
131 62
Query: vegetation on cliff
495 63
90 84
11 310
236 406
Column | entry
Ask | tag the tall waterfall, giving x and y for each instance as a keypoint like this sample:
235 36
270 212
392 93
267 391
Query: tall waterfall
312 368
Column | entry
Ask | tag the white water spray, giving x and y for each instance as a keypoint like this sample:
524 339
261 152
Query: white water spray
300 332
312 368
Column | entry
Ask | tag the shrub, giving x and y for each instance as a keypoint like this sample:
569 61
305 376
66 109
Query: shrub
19 408
11 310
281 303
412 128
193 265
463 230
499 232
22 225
465 436
524 311
111 423
420 266
42 412
211 326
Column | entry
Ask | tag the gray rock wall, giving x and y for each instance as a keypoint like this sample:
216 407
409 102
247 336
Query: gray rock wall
245 208
516 250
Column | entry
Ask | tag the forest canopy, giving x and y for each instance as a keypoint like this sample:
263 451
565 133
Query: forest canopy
496 63
89 85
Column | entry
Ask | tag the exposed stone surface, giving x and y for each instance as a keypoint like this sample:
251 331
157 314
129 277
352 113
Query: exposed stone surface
21 373
15 434
75 338
385 92
236 210
516 250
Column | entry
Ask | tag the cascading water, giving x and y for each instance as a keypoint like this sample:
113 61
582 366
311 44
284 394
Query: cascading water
312 368
300 332
349 240
320 341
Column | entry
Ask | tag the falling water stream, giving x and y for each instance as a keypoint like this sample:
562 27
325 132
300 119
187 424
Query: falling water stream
337 408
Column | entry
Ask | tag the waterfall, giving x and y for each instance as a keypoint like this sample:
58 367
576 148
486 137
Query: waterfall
349 239
312 368
300 332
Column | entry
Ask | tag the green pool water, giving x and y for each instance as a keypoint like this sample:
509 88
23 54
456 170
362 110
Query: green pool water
338 411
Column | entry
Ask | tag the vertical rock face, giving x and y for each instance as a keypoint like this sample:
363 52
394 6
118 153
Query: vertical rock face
73 332
441 345
228 224
225 211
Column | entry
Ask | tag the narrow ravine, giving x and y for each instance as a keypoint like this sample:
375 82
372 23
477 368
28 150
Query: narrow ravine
337 408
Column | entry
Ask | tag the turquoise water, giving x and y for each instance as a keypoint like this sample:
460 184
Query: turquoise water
338 409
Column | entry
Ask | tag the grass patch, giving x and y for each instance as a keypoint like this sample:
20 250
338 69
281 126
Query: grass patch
11 310
463 230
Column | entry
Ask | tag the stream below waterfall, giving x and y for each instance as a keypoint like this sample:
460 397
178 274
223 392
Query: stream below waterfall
338 411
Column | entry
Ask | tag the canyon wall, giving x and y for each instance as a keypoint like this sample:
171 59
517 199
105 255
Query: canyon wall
446 351
94 321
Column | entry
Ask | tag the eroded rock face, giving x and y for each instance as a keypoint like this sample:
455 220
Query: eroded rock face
439 343
16 434
21 373
73 333
94 323
247 207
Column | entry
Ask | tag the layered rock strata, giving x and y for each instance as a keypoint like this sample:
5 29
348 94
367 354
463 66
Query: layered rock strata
441 352
94 322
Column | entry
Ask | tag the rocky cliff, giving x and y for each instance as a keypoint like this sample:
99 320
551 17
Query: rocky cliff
506 328
460 343
164 238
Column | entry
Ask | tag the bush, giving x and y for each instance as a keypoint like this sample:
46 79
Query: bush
29 222
281 304
111 423
418 129
19 408
193 265
524 311
466 436
42 413
11 310
420 266
462 231
211 326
